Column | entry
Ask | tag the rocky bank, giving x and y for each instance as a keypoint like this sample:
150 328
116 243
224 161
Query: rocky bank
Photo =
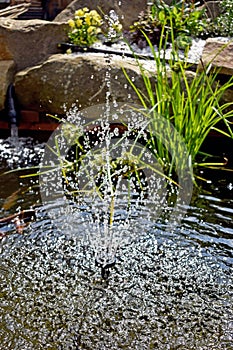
45 79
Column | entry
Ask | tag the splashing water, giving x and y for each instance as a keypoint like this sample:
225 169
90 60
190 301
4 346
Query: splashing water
111 180
166 291
20 152
110 172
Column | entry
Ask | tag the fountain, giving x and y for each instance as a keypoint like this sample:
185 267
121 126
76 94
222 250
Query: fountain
110 171
165 263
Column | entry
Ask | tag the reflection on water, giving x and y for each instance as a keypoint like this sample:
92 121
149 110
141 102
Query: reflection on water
168 290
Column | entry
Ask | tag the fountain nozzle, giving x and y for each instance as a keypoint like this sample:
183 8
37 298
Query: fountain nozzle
105 263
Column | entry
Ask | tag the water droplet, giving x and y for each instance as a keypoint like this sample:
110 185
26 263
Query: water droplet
116 132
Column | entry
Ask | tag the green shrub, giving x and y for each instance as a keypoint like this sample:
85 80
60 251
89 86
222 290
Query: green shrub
190 104
85 27
185 19
223 24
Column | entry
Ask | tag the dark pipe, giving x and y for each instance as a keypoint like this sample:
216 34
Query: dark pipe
12 111
75 48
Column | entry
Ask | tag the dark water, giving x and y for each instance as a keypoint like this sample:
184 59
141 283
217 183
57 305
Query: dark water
168 290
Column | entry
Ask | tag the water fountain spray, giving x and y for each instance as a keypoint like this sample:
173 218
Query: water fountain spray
111 174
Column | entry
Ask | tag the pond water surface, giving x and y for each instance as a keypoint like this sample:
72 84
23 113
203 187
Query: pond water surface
167 290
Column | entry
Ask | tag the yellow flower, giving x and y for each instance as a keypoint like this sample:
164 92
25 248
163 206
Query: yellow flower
97 21
85 9
71 23
118 27
88 19
98 30
96 18
91 30
69 51
79 23
93 13
79 13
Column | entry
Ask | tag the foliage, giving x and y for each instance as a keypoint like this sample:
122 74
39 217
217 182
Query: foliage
182 17
191 104
89 26
85 27
223 24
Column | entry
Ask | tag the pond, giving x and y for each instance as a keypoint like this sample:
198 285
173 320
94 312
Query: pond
167 290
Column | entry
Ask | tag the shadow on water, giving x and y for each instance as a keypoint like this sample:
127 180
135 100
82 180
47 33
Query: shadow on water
167 290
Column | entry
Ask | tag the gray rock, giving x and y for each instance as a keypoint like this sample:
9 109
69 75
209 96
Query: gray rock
220 53
29 42
74 79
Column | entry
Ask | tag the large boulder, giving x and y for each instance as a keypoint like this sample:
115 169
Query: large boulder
74 79
29 42
219 53
7 71
126 10
79 79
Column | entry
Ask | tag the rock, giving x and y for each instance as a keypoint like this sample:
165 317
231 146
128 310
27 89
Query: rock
68 79
220 54
7 71
29 42
126 10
